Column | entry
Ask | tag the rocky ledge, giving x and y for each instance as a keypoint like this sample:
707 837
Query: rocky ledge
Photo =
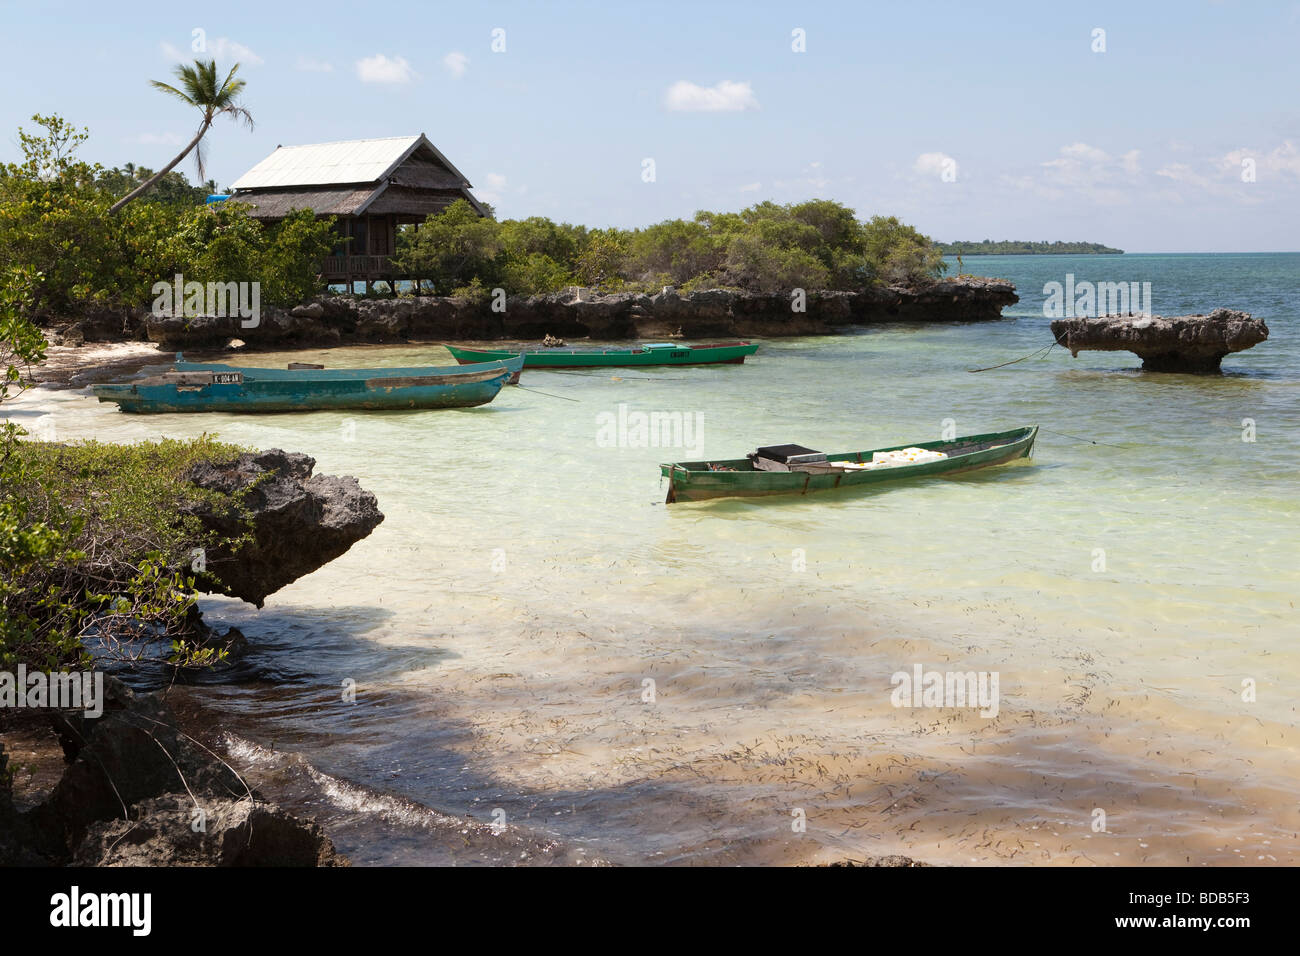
299 521
574 314
1180 343
136 791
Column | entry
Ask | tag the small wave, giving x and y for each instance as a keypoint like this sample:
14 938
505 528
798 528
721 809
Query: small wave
349 799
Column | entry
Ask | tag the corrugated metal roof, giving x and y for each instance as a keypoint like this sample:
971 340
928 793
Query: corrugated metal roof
322 164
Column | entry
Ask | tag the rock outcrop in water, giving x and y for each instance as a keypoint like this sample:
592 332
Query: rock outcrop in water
132 791
299 521
1181 343
578 314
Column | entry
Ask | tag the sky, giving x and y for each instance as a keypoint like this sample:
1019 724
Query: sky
1151 126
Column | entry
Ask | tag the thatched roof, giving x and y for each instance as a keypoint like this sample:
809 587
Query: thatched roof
278 203
406 175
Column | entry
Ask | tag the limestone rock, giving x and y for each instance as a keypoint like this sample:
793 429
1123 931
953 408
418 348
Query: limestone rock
1195 344
299 521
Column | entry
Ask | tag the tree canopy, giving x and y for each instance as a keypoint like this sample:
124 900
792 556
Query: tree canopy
1010 247
54 223
819 244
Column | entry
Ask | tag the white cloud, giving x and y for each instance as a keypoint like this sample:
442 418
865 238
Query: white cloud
935 164
1085 153
751 187
494 186
1282 160
380 69
1081 166
222 48
309 64
455 63
1182 173
685 96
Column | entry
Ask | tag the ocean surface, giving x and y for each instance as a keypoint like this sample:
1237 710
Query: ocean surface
539 644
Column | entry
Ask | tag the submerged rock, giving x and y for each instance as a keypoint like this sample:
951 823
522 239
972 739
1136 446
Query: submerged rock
299 521
161 832
1180 343
882 861
138 791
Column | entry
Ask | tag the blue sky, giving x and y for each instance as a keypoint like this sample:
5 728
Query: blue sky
995 120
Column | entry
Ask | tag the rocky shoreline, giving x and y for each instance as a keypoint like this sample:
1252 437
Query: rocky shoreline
138 791
337 320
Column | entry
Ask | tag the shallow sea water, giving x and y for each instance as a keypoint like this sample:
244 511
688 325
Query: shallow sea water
502 624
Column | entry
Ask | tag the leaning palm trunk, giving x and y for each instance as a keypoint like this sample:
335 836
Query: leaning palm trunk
148 184
200 88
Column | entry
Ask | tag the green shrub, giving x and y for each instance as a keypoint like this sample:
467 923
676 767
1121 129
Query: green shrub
95 542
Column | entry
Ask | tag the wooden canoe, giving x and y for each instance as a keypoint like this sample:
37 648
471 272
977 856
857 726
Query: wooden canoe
656 353
199 387
738 478
307 373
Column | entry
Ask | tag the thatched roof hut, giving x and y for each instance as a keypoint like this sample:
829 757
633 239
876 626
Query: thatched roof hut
371 185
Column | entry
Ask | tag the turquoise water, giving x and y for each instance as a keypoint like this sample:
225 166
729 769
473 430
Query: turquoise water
503 622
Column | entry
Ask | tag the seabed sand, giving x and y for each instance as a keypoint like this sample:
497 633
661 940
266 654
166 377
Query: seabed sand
76 366
1121 689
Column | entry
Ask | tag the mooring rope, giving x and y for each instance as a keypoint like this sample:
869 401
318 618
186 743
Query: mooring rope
1043 352
1090 441
621 378
564 398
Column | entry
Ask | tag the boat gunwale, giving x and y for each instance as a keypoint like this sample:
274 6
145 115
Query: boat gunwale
255 373
743 349
1012 437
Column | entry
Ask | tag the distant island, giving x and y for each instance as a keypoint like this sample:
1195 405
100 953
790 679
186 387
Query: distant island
1010 247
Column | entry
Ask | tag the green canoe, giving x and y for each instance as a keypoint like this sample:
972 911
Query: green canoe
656 353
804 473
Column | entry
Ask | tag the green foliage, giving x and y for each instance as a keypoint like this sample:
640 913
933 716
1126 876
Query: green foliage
96 542
452 248
1010 247
218 243
601 257
173 189
94 539
674 251
534 274
21 343
54 222
768 247
290 265
898 253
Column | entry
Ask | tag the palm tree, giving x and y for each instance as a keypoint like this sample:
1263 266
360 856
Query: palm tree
198 88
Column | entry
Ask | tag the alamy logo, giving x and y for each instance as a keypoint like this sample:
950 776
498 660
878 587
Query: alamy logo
1086 300
922 688
181 299
633 429
74 908
59 690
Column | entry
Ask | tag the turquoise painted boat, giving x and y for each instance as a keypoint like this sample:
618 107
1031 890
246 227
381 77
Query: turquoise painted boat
794 470
201 387
655 353
514 362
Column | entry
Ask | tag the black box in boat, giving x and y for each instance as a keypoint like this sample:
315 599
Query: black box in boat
787 458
